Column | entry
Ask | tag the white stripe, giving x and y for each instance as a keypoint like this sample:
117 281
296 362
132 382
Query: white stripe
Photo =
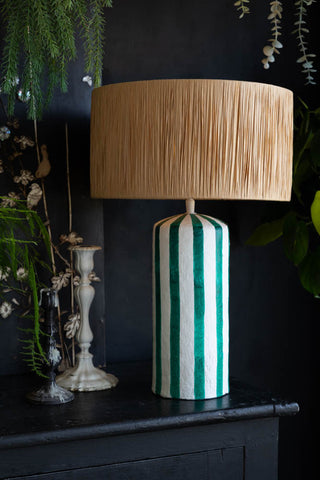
210 316
165 305
225 303
225 260
186 308
153 314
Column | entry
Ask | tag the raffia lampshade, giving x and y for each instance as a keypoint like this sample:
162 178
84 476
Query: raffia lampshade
191 139
202 139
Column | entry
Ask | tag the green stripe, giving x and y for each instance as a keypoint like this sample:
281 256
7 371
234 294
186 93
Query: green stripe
158 379
219 302
199 308
175 307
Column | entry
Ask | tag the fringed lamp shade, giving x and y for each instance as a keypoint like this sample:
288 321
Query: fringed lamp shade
191 139
202 139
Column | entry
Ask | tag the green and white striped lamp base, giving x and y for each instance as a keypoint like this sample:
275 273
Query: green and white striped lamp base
190 307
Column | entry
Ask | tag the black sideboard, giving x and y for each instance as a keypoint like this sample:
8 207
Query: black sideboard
129 433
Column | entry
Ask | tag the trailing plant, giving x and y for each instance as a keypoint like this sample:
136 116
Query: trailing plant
40 42
299 227
300 29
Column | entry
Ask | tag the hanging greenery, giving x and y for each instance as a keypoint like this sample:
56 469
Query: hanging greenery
300 30
305 59
275 20
242 7
40 43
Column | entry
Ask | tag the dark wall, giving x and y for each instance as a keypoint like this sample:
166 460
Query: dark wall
271 316
272 319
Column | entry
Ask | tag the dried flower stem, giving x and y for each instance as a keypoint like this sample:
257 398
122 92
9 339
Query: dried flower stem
45 206
70 230
65 261
68 178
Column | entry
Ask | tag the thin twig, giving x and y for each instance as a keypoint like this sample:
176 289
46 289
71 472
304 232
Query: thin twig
68 178
70 230
65 261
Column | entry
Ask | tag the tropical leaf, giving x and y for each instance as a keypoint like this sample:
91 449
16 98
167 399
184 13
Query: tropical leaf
295 238
266 233
315 211
309 272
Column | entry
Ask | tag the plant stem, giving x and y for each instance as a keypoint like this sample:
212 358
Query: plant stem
68 178
3 108
45 206
70 230
65 261
307 63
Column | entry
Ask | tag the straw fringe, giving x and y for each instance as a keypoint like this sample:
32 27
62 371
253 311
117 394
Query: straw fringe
197 139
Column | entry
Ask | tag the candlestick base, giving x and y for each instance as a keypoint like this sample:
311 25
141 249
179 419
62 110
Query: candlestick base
50 394
85 377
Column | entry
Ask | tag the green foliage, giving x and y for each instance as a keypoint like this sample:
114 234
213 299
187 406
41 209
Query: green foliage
315 212
300 226
309 272
295 238
242 7
92 30
22 233
266 233
40 42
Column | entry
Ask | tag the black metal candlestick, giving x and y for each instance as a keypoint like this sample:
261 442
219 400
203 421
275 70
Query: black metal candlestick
50 393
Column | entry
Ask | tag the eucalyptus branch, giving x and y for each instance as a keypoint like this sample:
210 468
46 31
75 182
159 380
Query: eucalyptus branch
306 58
242 7
275 17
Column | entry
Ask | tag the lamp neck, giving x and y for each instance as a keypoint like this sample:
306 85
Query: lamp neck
190 205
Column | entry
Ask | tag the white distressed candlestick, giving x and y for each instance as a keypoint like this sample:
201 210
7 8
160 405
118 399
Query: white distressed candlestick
85 376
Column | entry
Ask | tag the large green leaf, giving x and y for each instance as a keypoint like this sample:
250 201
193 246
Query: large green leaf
295 238
315 211
315 149
301 145
309 272
302 174
266 233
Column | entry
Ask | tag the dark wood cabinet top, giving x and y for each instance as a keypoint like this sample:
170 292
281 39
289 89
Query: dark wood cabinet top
131 407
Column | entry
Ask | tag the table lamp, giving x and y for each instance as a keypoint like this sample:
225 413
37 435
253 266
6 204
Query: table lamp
191 139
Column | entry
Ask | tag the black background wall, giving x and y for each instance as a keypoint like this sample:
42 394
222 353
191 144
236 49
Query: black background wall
273 321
